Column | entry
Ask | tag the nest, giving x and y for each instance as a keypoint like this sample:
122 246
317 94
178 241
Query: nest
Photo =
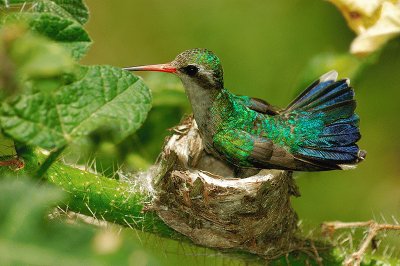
198 196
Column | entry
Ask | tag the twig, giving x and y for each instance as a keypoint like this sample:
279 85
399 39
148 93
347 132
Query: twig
373 229
48 162
15 163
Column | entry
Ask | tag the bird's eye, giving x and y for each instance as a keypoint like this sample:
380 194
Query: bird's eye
190 70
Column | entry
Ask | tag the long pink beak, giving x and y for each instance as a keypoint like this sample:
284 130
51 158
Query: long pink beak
159 68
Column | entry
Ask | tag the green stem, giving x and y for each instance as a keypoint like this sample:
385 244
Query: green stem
107 199
118 202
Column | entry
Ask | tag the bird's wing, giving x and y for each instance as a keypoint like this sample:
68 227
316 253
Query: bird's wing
244 149
258 105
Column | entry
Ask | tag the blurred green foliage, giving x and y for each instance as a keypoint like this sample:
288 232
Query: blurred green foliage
26 239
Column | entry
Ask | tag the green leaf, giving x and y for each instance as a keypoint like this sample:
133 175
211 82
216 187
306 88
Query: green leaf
65 31
27 237
62 30
104 97
8 3
75 9
35 57
31 62
7 147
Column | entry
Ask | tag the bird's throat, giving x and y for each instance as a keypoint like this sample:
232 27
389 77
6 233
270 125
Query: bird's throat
202 99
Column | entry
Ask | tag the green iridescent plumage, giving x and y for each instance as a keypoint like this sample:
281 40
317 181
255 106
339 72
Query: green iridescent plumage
232 112
317 131
289 131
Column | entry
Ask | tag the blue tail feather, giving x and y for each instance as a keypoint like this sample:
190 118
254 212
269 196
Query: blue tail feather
333 102
339 155
338 97
352 120
336 135
340 110
339 129
308 95
326 91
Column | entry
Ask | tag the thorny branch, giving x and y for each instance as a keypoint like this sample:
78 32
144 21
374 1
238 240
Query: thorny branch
15 163
373 229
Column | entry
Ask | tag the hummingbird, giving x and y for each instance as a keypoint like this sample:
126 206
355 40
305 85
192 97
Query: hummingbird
317 131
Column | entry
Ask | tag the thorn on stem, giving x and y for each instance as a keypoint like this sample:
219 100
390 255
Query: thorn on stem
373 229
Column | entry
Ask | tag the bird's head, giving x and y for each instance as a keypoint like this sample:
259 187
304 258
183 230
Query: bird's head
199 67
